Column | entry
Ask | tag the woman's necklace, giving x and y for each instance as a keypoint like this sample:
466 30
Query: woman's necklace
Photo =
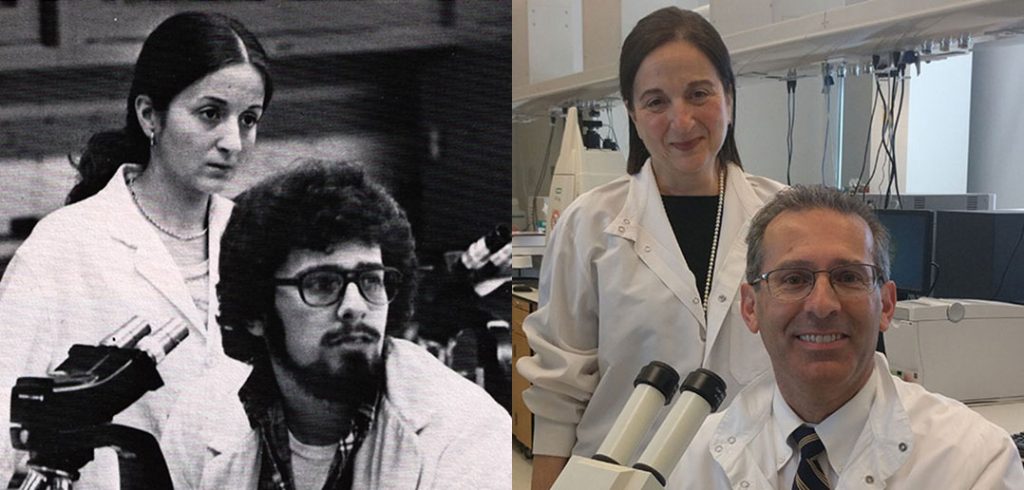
184 238
714 240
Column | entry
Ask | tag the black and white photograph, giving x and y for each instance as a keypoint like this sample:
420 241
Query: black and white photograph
255 244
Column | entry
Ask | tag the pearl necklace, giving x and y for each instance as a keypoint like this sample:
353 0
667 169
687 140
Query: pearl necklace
714 240
185 238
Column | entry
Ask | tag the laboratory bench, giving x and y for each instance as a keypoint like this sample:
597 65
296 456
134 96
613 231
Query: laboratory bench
523 303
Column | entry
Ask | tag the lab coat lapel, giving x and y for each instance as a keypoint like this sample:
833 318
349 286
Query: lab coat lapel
731 257
390 456
151 259
876 451
220 213
744 421
235 462
232 444
644 222
157 267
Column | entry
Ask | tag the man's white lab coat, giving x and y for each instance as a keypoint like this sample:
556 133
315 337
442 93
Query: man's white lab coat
435 430
913 439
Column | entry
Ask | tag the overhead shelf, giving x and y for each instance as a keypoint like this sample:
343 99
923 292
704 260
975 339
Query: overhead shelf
852 33
856 32
597 83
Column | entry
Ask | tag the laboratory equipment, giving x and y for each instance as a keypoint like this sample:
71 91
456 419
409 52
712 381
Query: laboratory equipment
579 169
980 255
652 389
701 393
966 349
912 234
61 418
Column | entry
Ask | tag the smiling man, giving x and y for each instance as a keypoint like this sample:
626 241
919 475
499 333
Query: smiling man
317 270
829 414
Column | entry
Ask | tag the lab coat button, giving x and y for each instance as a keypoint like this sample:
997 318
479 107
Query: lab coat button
744 484
732 440
622 229
721 298
903 447
869 479
647 248
718 449
696 301
625 221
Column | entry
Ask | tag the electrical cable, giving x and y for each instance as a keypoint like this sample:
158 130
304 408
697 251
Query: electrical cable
828 121
935 279
867 147
876 76
881 141
874 167
899 88
887 134
896 125
791 120
890 140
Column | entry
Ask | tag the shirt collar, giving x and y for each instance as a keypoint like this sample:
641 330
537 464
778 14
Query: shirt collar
786 421
838 432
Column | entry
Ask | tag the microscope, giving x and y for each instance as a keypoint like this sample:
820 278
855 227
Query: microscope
63 417
701 393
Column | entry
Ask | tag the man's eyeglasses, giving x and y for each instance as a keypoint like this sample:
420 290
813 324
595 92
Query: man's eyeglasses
795 284
324 287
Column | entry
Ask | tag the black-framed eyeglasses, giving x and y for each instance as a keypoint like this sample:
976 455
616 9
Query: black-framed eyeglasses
324 287
794 284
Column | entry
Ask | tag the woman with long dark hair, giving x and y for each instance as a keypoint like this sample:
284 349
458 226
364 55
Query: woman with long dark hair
648 267
140 234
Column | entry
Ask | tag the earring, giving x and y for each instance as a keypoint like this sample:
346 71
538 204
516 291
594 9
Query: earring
152 139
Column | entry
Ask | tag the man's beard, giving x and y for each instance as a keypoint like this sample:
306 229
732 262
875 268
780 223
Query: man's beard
356 382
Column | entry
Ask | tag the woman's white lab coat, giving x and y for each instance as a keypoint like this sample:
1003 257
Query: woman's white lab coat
616 293
85 270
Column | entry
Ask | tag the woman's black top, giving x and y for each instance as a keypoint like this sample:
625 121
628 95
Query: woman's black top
693 222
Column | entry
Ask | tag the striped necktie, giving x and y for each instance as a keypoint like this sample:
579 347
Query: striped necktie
810 474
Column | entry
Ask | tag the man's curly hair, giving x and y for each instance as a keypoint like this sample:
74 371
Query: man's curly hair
315 205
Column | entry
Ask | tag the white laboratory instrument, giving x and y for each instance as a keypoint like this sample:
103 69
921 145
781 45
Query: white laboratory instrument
579 169
701 393
967 349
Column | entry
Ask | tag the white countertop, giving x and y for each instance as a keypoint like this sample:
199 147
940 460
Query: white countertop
1008 415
